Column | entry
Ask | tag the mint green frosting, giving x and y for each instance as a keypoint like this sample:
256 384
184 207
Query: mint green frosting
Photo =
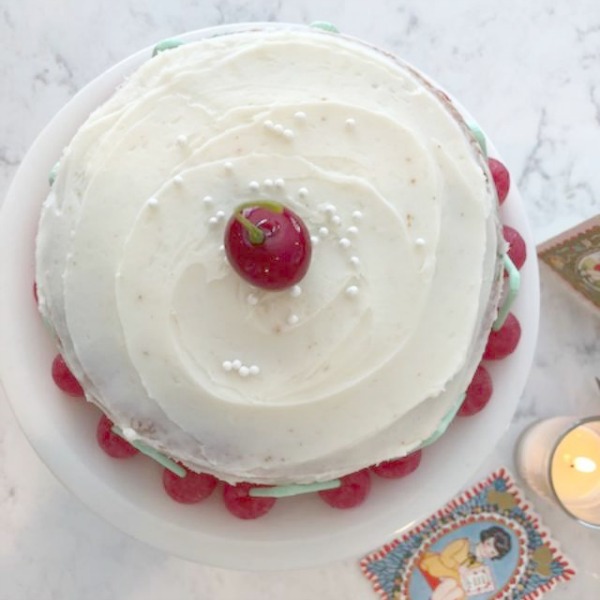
53 173
294 489
325 26
155 455
166 45
478 135
514 283
445 423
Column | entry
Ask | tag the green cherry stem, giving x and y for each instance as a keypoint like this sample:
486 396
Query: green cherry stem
255 234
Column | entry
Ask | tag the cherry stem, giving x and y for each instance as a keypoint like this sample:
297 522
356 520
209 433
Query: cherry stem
255 233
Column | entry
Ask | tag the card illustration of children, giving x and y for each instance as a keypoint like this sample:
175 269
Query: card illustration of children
465 562
485 543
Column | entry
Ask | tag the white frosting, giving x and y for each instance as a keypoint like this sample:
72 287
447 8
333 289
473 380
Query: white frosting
361 364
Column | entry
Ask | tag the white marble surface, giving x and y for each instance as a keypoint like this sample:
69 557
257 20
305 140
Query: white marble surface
528 71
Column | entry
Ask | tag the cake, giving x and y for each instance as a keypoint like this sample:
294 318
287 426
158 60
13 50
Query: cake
364 359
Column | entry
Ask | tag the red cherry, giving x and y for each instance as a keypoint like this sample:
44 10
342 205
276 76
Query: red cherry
503 342
398 467
114 445
238 501
479 393
353 491
517 250
501 178
64 379
191 489
268 245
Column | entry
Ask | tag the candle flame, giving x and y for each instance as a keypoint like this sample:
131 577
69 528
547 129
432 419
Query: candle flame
584 464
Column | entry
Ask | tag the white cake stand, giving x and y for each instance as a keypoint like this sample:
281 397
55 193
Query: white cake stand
299 532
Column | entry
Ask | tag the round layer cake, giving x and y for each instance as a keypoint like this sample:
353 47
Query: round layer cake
367 357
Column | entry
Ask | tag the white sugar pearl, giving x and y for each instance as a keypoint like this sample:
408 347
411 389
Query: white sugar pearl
352 291
314 239
227 366
153 202
280 183
252 299
254 186
350 123
352 230
300 116
268 124
268 183
244 371
355 260
229 166
357 215
220 215
278 128
296 291
213 221
293 319
254 370
129 434
236 364
329 209
288 134
302 192
323 231
345 243
182 140
207 200
336 220
178 179
419 242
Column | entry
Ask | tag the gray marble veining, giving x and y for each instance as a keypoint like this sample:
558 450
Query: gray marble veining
528 71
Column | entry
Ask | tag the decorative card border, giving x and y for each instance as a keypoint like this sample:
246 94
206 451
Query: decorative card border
540 566
565 253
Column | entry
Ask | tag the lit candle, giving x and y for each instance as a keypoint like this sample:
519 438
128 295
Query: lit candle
560 460
575 468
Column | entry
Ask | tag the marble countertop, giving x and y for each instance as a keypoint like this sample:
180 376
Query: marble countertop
528 71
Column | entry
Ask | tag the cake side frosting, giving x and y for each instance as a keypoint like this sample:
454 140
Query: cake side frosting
358 365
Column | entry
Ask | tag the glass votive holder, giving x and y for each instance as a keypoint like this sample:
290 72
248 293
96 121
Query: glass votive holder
559 459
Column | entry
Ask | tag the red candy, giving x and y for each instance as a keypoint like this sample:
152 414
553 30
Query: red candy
64 379
399 467
501 178
238 501
479 393
191 489
114 445
353 491
503 342
517 250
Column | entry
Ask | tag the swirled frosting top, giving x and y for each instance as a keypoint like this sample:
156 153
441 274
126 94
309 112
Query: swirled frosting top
356 364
